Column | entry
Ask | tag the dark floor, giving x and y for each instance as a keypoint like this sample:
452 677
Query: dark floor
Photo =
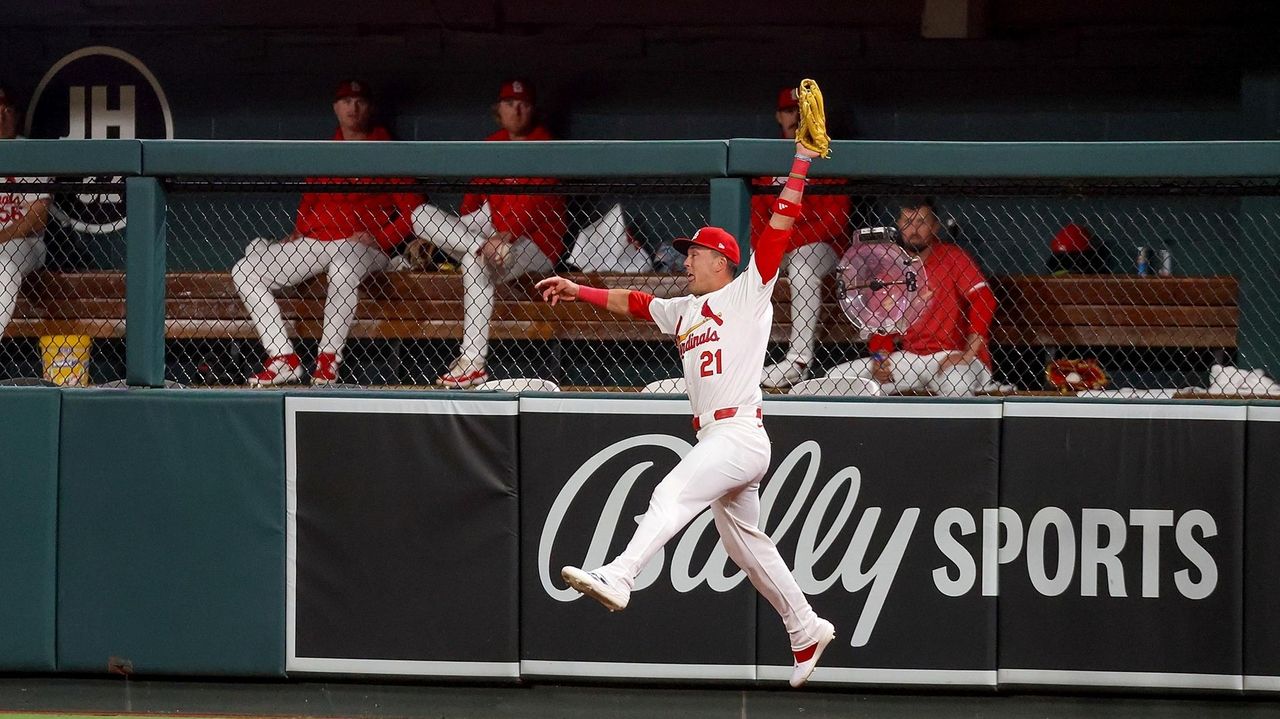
324 699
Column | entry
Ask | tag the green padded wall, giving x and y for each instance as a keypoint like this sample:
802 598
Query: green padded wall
171 533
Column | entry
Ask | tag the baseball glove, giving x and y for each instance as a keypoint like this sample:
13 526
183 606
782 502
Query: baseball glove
812 132
418 253
1071 375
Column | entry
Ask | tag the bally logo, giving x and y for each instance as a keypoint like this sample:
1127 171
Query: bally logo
847 544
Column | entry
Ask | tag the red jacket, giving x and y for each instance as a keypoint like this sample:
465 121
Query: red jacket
539 217
824 218
960 304
329 216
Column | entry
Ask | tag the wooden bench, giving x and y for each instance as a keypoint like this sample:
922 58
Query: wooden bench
393 305
1116 311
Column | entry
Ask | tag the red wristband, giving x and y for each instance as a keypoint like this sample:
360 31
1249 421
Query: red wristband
786 208
799 173
594 295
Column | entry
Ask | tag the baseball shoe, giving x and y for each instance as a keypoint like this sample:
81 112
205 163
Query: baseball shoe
594 585
784 374
807 658
463 373
326 372
278 370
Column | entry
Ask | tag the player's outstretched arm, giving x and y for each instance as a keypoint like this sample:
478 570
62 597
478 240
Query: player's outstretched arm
772 243
784 216
622 302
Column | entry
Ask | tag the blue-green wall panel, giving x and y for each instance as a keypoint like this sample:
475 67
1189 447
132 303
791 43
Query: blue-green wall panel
171 532
28 525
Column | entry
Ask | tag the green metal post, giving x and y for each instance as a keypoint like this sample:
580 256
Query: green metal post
144 282
731 210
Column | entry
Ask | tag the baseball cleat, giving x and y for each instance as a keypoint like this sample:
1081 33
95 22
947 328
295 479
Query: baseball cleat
464 373
279 370
597 587
326 372
807 658
784 374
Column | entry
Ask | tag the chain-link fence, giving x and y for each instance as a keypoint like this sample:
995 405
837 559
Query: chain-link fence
61 281
261 290
945 287
1152 288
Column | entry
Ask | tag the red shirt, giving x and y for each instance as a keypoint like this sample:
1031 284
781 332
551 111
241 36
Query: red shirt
536 216
960 304
824 218
329 216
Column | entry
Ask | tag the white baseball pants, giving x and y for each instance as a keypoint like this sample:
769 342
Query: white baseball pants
914 372
267 267
19 257
723 471
461 238
807 266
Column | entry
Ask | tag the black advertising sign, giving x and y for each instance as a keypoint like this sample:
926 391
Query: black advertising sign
888 540
402 524
1126 544
1262 549
886 512
588 468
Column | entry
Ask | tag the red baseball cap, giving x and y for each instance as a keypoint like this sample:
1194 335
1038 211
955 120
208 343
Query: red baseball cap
712 238
517 90
787 98
1071 238
352 88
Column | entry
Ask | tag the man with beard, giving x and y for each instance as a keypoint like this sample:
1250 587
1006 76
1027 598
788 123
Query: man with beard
945 350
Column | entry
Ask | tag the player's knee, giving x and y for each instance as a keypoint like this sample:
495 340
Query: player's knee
425 220
244 274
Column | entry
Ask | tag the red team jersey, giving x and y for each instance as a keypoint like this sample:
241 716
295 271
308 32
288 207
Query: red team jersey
960 304
536 216
329 216
824 218
722 336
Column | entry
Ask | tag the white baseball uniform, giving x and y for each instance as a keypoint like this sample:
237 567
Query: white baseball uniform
722 337
270 266
19 256
461 238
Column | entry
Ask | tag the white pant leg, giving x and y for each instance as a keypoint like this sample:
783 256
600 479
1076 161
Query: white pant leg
270 268
461 238
862 368
18 258
960 380
478 289
455 236
730 454
910 371
807 266
737 518
349 263
477 306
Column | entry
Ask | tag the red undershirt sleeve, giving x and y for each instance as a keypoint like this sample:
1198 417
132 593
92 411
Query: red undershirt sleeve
638 305
770 247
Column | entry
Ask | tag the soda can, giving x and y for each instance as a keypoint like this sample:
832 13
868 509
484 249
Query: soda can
1164 263
1143 262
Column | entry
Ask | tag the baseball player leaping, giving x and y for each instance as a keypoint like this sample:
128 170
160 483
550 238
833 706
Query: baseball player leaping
721 330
